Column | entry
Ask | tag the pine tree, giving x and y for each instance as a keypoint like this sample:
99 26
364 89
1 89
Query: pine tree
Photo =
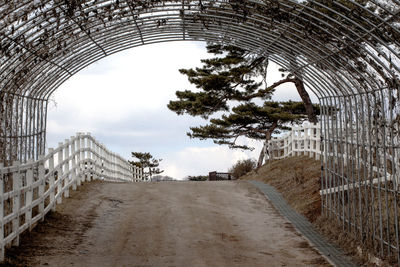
235 75
146 160
251 121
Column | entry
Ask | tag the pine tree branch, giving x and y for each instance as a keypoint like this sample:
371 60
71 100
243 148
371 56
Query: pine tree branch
263 92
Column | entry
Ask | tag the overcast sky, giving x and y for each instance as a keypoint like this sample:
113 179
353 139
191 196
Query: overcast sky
122 100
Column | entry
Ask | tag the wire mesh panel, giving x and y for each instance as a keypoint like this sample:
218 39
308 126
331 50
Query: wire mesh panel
346 52
23 128
360 168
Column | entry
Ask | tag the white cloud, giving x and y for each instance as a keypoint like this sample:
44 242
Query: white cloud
136 81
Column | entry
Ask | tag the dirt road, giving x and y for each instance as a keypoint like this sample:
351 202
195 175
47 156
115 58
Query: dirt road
165 224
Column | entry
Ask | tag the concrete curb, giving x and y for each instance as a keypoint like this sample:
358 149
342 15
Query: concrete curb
330 252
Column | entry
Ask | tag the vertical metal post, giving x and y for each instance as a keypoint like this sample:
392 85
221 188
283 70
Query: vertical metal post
2 245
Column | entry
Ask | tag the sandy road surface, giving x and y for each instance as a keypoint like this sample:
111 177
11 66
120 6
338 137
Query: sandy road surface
166 224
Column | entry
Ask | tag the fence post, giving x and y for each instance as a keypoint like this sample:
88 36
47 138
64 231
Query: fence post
51 179
93 157
293 134
73 163
271 149
301 145
16 203
29 195
83 158
101 163
114 171
112 166
2 245
106 164
285 145
312 140
111 158
119 171
122 169
318 142
125 171
89 157
307 141
66 168
60 173
109 164
96 160
300 142
116 174
135 173
93 162
117 168
128 172
78 159
42 180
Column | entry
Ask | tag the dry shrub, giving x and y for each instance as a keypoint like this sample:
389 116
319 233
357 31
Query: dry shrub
242 167
295 178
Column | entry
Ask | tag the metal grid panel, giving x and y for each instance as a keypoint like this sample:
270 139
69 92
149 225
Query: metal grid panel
347 52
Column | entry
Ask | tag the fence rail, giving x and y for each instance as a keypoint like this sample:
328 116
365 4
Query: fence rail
29 191
301 140
306 140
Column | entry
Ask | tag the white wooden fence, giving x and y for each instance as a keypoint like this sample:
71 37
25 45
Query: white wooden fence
29 191
301 140
306 140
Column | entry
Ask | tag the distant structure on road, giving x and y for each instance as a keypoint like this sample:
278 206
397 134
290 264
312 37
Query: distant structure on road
215 176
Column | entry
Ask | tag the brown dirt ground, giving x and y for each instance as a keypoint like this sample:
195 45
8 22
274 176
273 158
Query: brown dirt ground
165 224
298 180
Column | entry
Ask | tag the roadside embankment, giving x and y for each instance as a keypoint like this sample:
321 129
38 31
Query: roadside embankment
298 180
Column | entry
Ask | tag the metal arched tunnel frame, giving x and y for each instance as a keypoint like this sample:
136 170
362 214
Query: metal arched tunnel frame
346 52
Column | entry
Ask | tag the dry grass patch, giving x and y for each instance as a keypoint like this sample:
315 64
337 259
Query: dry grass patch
298 180
295 178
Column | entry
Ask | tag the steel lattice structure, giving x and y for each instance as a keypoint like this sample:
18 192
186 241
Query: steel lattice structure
346 51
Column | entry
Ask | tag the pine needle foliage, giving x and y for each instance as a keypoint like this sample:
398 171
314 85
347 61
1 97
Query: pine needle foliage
147 163
251 121
234 82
